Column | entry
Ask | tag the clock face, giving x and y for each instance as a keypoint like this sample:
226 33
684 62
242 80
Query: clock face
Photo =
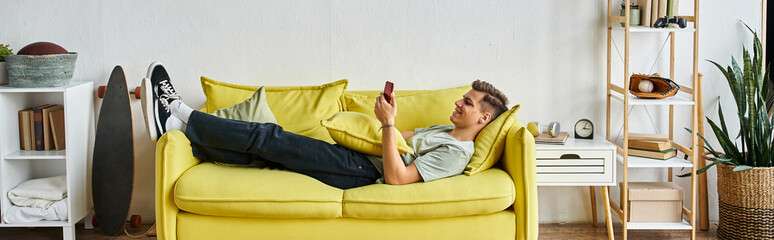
584 129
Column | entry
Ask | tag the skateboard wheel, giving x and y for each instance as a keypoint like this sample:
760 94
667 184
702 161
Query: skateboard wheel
101 91
137 93
135 221
94 221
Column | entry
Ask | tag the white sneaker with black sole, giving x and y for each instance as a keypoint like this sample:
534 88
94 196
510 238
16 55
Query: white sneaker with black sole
157 93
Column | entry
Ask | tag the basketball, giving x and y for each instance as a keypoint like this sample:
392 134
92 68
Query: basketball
42 48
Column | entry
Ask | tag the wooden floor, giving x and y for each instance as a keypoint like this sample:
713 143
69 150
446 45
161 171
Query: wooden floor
588 232
547 231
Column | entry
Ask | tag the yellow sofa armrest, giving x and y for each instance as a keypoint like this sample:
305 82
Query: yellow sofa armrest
519 161
173 158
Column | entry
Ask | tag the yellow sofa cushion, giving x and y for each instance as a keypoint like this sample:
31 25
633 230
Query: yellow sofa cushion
487 192
214 190
416 109
361 132
297 109
490 142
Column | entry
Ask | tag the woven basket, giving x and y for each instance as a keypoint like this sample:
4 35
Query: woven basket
662 87
34 71
746 203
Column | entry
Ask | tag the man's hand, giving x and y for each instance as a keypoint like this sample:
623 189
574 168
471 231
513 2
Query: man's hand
386 111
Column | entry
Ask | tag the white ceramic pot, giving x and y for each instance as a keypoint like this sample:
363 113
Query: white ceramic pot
3 74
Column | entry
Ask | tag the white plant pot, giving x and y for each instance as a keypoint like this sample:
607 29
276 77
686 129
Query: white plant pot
3 74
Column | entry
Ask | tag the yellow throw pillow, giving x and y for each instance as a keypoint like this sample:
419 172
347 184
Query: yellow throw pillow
297 109
416 108
490 142
360 132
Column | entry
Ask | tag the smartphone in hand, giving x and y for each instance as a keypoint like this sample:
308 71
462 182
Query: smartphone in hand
388 91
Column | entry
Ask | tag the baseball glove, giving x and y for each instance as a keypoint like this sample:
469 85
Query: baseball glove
662 87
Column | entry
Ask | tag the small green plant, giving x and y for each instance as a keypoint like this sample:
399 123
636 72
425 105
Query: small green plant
4 51
750 87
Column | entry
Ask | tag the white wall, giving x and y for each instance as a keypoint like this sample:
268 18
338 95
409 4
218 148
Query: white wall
547 55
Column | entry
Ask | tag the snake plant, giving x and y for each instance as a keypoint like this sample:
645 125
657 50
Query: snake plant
750 86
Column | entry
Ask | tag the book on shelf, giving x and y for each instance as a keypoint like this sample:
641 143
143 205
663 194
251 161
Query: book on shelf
672 7
48 137
653 145
31 123
662 8
25 131
57 128
645 8
38 126
545 138
659 155
647 136
653 12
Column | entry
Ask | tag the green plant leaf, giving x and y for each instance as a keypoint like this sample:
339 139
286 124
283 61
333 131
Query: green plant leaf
739 85
741 168
757 59
723 160
728 146
706 143
722 119
766 91
763 139
700 171
751 90
729 74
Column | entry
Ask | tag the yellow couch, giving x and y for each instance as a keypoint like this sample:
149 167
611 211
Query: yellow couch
201 200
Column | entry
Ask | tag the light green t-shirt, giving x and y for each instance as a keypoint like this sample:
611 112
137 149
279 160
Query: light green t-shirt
438 155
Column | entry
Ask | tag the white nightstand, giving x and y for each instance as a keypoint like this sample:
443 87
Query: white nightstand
579 162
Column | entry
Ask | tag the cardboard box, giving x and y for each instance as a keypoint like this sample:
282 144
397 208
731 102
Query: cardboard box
655 202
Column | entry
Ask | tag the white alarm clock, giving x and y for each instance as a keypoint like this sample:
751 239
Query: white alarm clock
584 129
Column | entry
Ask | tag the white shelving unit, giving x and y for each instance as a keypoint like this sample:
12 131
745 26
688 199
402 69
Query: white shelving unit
660 226
640 29
687 97
18 165
680 99
640 162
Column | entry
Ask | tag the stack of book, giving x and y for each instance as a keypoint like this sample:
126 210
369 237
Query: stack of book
545 138
651 146
42 128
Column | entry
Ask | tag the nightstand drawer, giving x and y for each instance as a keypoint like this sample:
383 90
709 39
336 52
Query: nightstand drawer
571 154
567 167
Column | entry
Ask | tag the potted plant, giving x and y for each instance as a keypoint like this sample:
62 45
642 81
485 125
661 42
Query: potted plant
4 51
745 171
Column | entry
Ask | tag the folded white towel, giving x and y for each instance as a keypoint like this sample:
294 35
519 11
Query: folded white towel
16 214
40 193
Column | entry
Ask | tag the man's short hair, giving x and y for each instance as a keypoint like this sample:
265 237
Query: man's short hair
494 102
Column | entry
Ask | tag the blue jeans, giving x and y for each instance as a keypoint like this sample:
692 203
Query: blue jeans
238 142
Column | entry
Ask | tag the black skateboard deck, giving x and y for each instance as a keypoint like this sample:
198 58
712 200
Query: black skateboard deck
113 167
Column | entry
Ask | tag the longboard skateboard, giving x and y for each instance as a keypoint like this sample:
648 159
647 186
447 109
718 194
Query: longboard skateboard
113 168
